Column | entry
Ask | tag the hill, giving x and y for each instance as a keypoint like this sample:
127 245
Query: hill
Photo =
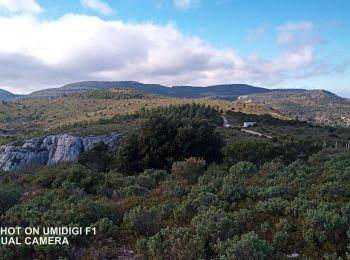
227 92
28 116
311 105
317 106
6 95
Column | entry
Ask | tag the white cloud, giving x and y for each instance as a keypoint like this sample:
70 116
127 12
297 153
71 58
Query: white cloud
97 5
37 54
295 35
185 4
20 6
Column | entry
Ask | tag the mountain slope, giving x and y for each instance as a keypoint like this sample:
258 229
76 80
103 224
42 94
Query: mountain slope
228 92
312 105
6 95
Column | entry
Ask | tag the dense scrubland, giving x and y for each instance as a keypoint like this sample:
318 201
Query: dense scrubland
181 187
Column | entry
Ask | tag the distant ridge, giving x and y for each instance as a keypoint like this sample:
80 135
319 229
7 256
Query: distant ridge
318 105
227 91
6 95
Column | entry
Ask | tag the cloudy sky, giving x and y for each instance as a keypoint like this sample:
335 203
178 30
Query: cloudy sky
270 43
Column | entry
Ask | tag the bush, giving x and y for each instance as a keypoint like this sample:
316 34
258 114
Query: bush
132 190
105 226
233 189
188 171
273 206
214 224
173 243
142 220
243 169
196 202
151 178
248 247
260 152
211 181
282 235
173 188
323 226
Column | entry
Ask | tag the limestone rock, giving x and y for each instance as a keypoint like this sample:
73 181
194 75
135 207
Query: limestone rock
50 149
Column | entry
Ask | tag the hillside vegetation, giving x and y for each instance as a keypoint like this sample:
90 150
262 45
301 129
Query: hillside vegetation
22 118
312 105
181 185
171 192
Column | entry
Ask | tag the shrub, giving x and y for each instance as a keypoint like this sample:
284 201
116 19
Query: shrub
323 226
142 220
233 189
196 202
243 169
248 247
173 188
174 243
211 181
282 235
105 226
214 224
188 171
132 190
151 178
273 206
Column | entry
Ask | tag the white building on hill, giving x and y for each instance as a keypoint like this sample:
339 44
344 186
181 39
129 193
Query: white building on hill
249 124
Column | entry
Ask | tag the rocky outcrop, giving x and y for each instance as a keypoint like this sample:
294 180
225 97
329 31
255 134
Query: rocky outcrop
50 150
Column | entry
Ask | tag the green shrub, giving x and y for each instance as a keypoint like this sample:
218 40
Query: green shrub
188 171
273 206
214 224
174 243
133 190
243 169
142 220
323 226
248 247
233 189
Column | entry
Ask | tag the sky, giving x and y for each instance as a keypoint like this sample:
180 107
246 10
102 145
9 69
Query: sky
266 43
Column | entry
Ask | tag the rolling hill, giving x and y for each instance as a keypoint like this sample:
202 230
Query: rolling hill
311 105
25 116
318 106
227 92
6 95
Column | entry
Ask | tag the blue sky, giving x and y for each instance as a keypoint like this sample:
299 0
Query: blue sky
274 44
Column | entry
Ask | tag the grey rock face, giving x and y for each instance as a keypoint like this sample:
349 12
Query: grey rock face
50 149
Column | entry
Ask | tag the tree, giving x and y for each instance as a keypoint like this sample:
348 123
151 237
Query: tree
162 140
98 158
128 155
9 196
197 138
